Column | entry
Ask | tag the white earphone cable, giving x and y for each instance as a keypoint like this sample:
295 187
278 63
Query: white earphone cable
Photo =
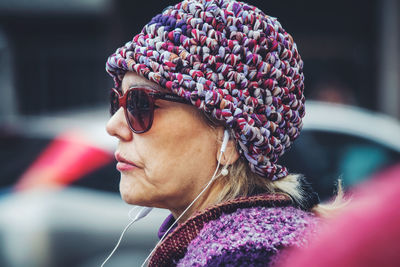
141 214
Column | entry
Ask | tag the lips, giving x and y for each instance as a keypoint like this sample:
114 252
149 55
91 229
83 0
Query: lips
124 164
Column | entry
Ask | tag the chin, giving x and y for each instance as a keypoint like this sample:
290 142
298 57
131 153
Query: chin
127 192
133 199
133 194
127 198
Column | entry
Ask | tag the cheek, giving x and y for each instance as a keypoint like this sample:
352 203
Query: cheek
179 156
182 144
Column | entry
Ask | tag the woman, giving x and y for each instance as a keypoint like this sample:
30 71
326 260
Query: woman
197 69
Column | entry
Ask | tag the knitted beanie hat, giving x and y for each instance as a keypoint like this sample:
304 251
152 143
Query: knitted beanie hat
231 61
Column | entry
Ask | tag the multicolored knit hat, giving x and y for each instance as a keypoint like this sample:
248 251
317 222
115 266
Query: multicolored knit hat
231 61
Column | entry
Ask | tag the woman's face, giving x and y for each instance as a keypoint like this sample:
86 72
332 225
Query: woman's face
169 164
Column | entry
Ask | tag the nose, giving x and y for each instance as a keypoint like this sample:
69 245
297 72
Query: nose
118 126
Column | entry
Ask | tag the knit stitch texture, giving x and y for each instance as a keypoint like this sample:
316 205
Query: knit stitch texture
248 231
231 61
248 237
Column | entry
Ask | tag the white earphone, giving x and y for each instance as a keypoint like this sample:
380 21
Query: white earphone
225 141
224 171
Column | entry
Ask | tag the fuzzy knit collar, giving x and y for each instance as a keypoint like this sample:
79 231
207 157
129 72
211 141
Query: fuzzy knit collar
174 246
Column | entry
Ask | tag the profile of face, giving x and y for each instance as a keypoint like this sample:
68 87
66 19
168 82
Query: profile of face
168 165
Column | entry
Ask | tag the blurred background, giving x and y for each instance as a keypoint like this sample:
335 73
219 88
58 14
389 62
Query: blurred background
59 201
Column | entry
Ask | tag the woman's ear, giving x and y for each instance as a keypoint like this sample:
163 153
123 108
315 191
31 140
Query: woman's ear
231 154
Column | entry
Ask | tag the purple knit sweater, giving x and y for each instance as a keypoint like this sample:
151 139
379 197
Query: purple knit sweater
245 234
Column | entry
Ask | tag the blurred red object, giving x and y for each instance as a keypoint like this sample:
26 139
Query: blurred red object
366 233
68 157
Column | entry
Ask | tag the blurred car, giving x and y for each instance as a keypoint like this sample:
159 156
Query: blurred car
343 142
60 204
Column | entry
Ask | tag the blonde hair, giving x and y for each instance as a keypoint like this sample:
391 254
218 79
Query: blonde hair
242 182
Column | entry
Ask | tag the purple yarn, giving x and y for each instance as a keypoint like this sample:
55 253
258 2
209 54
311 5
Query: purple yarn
249 237
166 225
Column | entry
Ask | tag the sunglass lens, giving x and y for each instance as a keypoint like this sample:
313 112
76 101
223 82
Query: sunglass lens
139 108
114 102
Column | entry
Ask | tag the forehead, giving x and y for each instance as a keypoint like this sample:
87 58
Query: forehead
131 79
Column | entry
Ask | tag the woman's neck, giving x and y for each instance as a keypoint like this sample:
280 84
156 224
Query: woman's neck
207 199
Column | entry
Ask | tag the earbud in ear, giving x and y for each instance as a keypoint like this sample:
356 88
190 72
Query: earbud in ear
224 171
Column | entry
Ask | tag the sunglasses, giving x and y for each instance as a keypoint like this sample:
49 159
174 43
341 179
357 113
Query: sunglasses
139 104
